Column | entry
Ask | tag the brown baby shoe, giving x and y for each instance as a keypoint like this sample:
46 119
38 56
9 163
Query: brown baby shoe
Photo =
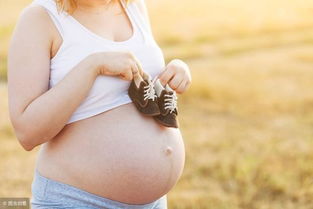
142 93
167 101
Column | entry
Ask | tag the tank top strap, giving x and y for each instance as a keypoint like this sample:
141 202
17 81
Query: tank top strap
59 18
67 26
138 17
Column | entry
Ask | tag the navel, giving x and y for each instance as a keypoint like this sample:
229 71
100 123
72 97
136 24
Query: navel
168 150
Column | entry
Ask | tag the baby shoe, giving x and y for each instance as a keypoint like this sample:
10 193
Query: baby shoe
167 101
142 93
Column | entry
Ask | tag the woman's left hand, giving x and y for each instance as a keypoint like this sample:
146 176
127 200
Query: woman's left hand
176 75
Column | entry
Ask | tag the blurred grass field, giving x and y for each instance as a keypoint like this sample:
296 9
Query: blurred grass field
247 119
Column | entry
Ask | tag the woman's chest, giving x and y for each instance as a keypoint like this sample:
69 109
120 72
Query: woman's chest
70 54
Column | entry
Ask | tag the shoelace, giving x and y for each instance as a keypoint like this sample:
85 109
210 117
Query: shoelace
170 102
149 92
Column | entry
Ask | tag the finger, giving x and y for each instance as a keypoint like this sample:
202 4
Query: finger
166 76
135 70
122 76
176 81
182 87
127 75
187 85
139 66
146 76
141 72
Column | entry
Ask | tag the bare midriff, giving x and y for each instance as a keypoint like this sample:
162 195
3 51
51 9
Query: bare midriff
119 154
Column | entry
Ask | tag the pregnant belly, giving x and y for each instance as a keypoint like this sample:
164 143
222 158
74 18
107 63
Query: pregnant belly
119 154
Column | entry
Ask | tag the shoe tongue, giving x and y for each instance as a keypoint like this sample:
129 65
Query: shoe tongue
169 89
147 78
158 87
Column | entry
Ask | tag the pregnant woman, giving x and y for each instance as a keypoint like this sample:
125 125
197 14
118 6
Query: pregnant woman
69 68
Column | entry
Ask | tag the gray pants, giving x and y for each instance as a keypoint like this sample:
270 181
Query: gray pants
49 194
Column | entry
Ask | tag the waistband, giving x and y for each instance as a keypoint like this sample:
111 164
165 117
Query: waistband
46 191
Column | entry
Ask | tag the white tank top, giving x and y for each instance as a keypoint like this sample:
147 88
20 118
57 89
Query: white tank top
107 92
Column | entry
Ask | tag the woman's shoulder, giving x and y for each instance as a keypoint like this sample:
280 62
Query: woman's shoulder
34 13
35 20
32 27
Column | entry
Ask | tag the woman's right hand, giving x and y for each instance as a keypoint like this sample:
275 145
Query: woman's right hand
122 64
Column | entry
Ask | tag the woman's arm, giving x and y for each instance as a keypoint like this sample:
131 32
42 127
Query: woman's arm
38 114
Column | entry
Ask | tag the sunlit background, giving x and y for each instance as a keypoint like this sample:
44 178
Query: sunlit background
247 120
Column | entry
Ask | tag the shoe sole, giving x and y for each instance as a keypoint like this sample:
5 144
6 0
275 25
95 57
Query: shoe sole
165 124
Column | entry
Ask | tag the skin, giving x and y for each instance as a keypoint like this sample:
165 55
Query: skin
177 75
35 124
